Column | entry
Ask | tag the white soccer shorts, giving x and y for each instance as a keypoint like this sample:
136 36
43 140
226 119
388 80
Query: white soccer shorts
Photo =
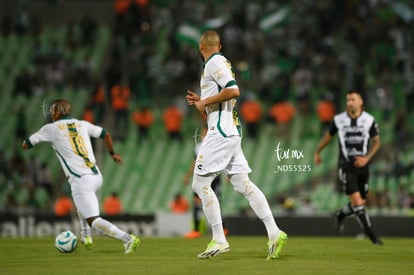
84 194
221 154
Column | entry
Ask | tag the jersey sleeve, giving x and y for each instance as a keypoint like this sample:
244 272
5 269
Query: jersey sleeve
222 72
374 130
333 129
45 134
94 131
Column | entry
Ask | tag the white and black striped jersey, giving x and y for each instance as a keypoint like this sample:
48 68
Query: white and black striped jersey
353 134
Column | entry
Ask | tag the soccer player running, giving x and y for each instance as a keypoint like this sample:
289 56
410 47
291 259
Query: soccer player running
355 129
70 139
221 150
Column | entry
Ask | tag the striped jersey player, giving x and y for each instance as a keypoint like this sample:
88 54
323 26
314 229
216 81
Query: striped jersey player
356 129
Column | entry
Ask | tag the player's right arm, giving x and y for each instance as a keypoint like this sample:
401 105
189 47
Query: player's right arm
323 143
192 97
44 134
223 95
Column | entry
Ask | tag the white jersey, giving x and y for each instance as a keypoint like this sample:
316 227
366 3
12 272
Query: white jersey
70 138
217 75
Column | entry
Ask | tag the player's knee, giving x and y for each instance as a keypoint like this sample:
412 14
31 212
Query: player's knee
241 183
200 182
90 220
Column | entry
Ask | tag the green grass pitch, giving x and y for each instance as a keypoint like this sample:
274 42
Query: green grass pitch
302 255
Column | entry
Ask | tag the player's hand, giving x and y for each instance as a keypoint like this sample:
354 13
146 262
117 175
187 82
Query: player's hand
24 145
317 159
192 97
200 106
360 161
117 158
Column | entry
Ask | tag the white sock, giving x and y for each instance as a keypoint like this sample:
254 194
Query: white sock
211 206
85 228
257 201
218 233
271 227
110 230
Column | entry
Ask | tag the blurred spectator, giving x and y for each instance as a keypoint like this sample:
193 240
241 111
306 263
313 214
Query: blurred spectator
17 163
4 165
401 130
20 130
120 9
6 26
72 36
44 178
180 204
282 112
120 95
302 84
98 102
88 28
251 112
23 84
88 114
10 205
143 119
306 208
384 93
63 206
289 206
326 111
173 118
31 204
402 197
23 18
112 205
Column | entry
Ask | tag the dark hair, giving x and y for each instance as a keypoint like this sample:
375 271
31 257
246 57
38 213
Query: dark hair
354 92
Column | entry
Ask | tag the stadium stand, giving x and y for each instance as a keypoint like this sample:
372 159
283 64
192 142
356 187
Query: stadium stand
162 64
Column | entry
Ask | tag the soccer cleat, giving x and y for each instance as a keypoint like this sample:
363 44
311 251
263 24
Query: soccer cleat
339 224
213 249
378 242
276 246
87 241
132 244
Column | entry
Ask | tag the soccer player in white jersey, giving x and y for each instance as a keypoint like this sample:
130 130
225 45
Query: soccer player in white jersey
221 150
70 139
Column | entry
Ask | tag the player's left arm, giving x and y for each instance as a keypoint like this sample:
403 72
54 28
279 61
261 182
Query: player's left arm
109 145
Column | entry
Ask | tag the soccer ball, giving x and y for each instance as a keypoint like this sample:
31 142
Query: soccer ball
66 242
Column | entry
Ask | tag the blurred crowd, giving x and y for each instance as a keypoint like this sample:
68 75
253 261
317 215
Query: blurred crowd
292 58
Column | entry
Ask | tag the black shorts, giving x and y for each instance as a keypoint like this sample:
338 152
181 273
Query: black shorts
352 179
